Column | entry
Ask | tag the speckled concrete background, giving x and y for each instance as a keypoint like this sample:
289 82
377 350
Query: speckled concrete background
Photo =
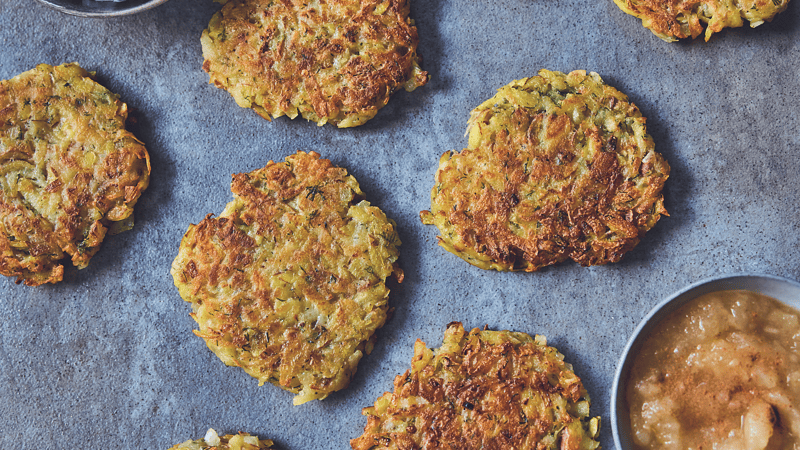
107 357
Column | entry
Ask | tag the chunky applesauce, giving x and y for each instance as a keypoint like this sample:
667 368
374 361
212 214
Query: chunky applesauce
722 372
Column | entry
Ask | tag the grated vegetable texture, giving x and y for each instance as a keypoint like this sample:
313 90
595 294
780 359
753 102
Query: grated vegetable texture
483 389
289 282
213 441
558 166
335 61
70 172
672 20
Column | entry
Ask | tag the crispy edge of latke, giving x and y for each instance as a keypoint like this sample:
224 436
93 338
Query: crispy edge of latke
671 27
354 209
230 354
213 441
391 421
113 220
365 102
454 238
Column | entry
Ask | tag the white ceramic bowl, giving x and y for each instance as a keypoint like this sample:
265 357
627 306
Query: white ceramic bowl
786 291
92 8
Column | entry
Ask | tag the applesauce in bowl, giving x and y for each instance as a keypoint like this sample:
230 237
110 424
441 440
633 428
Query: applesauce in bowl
716 366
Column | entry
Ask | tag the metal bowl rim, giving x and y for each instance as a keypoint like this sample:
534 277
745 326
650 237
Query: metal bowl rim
115 13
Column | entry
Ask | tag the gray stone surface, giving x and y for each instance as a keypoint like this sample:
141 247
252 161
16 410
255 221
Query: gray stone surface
107 357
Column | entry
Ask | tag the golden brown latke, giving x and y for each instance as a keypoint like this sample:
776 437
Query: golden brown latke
483 389
69 171
334 61
557 166
677 19
288 282
212 441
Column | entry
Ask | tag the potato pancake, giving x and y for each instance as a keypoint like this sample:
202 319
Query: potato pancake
677 19
288 283
557 167
483 389
69 171
334 61
212 441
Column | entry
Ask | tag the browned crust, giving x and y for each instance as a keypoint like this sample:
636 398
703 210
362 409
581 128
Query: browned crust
536 187
69 168
289 281
337 61
484 389
679 19
662 16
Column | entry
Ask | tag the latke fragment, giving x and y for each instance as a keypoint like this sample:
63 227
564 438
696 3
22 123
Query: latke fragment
335 61
557 167
212 441
483 389
288 283
69 171
671 20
